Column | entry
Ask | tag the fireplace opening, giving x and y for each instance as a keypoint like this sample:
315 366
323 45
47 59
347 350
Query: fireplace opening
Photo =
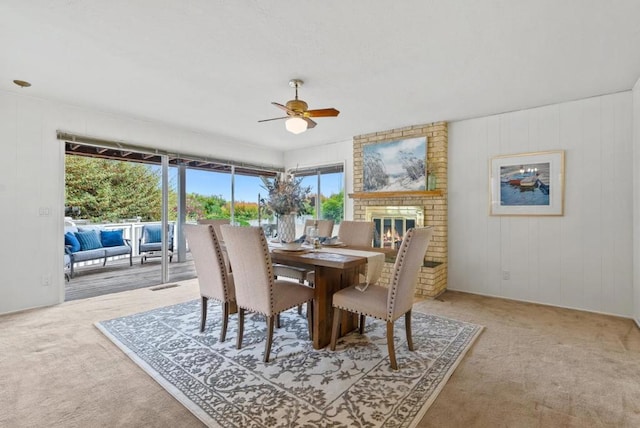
392 222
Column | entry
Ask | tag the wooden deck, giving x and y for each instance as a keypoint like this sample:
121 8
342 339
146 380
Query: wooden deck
117 276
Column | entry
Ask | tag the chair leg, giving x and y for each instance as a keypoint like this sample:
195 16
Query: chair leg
335 328
362 321
301 281
310 318
203 315
240 327
277 320
407 324
390 346
225 321
267 345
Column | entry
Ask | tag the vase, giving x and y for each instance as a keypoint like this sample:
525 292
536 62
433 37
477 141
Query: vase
286 227
431 181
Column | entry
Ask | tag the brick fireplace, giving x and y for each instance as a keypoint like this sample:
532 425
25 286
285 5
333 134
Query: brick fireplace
395 212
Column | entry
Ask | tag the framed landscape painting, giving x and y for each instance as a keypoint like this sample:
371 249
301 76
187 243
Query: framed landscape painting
528 184
395 165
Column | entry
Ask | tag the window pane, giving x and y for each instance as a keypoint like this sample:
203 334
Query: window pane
330 204
208 195
332 196
247 190
312 182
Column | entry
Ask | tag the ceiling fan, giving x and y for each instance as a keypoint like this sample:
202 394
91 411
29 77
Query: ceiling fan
298 116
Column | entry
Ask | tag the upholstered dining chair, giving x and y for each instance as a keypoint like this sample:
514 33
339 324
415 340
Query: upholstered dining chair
325 228
352 233
214 278
356 233
216 223
256 288
387 304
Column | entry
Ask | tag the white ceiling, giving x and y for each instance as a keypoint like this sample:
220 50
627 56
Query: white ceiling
214 66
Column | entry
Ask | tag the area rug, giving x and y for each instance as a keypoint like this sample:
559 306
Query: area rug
299 386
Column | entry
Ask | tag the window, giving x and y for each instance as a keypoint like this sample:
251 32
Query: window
327 188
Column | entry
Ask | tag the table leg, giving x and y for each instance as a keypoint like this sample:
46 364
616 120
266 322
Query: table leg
328 281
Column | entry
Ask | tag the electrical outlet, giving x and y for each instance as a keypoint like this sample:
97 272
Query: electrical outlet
44 211
506 275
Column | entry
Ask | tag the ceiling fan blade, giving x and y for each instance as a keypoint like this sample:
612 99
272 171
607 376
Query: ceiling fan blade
310 123
275 118
323 112
280 106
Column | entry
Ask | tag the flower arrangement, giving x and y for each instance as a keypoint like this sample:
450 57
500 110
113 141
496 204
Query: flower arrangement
286 195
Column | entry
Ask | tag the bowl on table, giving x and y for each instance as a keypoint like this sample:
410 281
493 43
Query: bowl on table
292 246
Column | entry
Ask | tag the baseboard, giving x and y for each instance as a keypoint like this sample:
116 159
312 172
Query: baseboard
548 304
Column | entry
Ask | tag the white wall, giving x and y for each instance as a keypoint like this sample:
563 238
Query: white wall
580 260
636 202
326 155
32 177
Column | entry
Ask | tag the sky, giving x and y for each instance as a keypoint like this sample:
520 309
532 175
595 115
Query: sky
246 188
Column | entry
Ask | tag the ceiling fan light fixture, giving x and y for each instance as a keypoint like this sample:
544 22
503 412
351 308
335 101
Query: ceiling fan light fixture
296 125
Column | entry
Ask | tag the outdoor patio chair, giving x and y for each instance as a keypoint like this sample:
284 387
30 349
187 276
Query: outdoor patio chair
150 241
387 304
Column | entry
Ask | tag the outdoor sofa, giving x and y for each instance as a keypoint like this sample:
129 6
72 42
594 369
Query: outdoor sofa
83 244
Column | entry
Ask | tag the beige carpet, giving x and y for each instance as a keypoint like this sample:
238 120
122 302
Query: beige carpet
532 366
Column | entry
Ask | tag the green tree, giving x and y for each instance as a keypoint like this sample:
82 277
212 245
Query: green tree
211 207
245 211
108 190
333 207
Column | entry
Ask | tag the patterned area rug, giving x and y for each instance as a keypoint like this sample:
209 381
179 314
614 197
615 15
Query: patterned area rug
300 386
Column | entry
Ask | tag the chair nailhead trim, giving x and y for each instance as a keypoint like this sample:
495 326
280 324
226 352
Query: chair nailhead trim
267 257
396 274
223 266
366 314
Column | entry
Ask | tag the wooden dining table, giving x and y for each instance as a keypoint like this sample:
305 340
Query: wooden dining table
333 272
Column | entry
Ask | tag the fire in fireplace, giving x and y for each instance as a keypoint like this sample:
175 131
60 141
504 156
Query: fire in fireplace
392 222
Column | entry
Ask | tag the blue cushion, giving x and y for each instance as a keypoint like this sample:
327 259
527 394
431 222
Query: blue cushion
89 240
153 233
111 238
71 240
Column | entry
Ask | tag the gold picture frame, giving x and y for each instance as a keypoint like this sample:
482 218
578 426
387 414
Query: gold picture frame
528 184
